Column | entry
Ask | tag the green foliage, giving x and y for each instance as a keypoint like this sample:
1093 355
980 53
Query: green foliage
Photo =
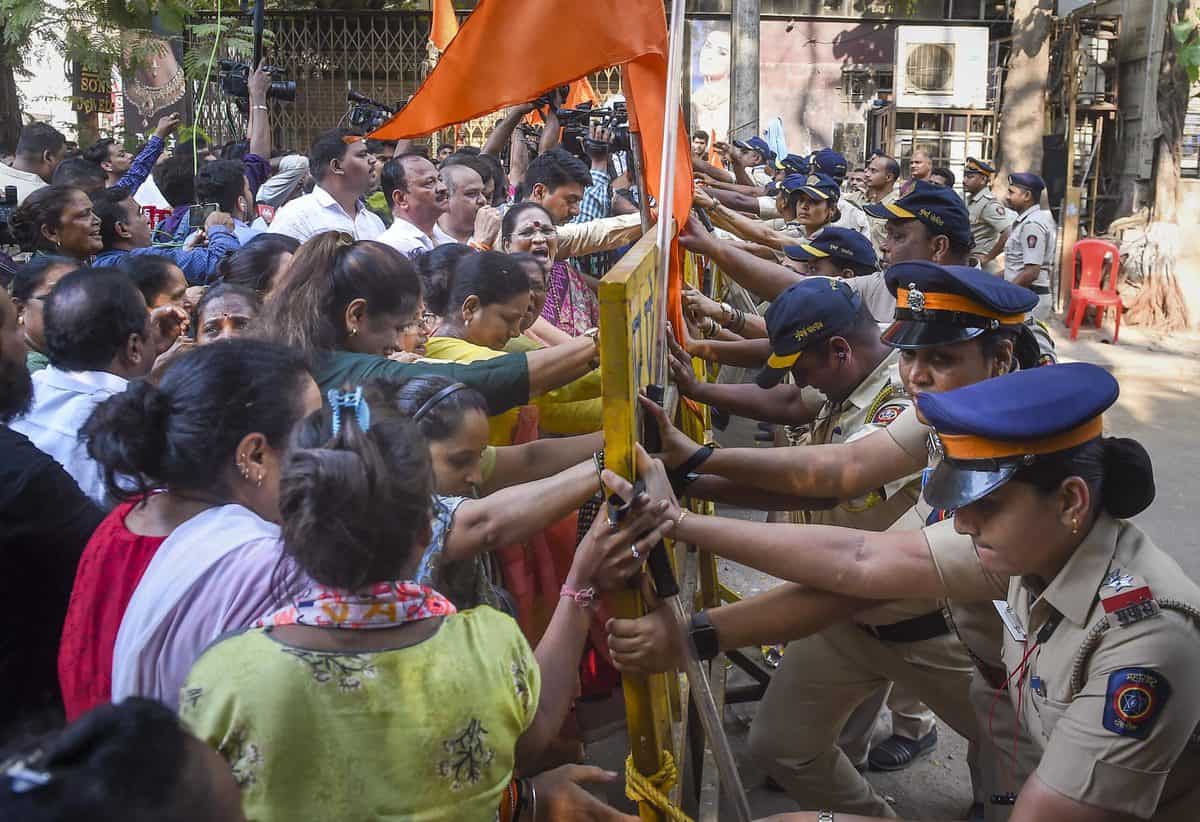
1187 42
231 38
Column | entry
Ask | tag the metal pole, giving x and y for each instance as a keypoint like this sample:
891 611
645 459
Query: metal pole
743 65
666 180
639 179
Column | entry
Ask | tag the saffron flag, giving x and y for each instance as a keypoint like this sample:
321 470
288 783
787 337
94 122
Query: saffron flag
581 92
445 24
511 51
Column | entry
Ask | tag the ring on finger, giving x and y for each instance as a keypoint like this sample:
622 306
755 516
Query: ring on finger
634 550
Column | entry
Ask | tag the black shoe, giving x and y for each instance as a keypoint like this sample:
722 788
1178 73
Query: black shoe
896 752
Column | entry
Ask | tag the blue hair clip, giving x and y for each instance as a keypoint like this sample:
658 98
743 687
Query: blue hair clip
22 778
352 400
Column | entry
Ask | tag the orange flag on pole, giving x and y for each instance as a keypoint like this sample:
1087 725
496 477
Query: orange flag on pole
445 24
511 51
581 92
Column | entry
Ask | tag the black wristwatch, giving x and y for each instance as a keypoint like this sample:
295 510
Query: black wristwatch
704 636
685 474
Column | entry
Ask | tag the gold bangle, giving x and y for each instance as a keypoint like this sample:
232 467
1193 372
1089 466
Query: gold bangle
682 516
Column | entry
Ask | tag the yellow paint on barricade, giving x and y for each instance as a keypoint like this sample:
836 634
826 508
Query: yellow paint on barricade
629 345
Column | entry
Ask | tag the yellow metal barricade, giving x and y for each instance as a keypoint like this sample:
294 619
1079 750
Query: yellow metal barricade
629 340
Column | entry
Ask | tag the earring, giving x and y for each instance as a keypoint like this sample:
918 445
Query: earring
353 331
258 483
1074 525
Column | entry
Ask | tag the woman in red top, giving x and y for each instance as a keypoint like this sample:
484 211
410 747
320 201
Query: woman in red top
111 566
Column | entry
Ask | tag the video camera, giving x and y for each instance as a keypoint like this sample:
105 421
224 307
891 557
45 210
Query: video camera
234 78
366 114
577 127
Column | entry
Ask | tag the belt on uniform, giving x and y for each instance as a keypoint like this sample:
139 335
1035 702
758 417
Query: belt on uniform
1040 289
997 678
926 626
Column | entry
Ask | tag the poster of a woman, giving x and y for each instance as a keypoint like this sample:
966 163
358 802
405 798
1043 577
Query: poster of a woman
710 78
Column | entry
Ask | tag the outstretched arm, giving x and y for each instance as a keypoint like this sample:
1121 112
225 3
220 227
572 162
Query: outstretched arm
764 278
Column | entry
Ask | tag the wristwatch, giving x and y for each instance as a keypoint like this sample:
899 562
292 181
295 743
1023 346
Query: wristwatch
824 816
704 636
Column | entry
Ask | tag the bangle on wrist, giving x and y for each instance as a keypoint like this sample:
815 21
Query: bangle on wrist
726 314
260 107
479 246
682 516
584 597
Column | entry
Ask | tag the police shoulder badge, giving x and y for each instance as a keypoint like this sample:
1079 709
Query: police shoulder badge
1133 701
887 413
1127 598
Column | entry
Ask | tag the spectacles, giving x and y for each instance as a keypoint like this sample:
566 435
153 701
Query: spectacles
422 323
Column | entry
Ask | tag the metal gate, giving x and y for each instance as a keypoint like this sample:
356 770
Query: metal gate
381 54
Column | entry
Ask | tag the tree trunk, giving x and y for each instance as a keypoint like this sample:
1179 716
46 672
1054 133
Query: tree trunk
10 103
1022 115
1160 303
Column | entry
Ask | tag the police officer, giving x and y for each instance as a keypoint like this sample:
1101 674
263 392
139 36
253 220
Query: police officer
833 163
1101 645
842 252
990 220
757 158
1029 252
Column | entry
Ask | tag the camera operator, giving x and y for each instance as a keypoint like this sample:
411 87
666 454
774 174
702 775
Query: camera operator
345 170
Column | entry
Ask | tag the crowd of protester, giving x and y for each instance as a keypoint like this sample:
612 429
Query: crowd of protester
305 507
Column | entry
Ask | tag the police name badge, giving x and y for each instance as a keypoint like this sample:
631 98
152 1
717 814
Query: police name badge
1009 618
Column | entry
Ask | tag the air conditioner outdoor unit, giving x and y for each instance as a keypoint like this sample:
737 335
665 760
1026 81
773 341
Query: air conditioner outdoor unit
941 67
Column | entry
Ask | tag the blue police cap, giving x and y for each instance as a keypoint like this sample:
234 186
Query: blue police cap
828 161
793 164
756 144
807 313
1032 183
938 207
772 188
974 166
844 245
820 187
941 304
990 429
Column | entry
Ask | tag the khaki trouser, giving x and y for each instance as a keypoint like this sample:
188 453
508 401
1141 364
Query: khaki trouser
888 711
821 681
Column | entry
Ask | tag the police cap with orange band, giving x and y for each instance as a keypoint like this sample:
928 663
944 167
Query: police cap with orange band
990 430
941 304
936 207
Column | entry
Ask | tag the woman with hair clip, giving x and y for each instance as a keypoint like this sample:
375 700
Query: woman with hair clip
345 305
1101 659
188 554
489 302
955 326
132 761
424 711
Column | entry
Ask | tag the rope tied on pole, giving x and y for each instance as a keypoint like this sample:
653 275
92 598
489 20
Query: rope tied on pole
654 788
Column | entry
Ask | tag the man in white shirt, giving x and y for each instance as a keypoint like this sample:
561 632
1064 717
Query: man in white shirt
40 149
417 197
345 171
98 337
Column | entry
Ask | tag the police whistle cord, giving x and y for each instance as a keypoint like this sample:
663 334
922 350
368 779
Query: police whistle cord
667 589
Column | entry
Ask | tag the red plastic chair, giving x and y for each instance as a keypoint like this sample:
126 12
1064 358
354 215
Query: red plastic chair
1092 259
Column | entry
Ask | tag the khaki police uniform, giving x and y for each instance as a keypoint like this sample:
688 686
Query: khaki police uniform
876 297
1032 240
989 219
878 228
969 609
825 678
1105 667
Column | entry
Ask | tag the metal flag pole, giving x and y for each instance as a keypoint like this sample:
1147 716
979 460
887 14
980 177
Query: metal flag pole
666 180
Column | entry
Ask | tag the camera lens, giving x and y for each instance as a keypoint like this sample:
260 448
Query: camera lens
283 90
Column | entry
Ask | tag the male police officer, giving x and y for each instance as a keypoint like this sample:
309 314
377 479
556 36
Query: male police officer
1029 252
990 220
